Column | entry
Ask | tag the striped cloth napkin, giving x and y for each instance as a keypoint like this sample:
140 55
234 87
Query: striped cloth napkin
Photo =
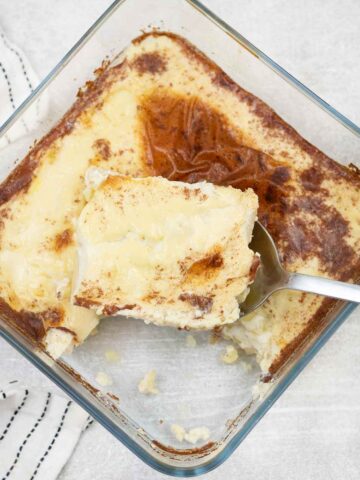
17 81
38 430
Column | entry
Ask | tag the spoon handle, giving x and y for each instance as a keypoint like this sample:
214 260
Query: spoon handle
323 286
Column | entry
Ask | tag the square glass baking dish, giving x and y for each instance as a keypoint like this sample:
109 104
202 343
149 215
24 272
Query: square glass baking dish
196 389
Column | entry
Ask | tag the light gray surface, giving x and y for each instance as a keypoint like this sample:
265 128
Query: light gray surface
314 429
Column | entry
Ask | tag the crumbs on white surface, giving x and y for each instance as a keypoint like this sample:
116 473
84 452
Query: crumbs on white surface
191 341
178 431
112 356
103 379
147 385
196 434
193 436
230 355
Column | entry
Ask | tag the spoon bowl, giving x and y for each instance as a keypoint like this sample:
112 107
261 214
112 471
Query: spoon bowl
271 277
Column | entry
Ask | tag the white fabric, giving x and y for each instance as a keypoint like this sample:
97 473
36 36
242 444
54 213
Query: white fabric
17 81
38 432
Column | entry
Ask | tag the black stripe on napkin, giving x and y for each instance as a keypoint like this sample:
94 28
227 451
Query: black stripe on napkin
23 68
89 422
11 96
57 433
18 454
10 91
14 415
2 393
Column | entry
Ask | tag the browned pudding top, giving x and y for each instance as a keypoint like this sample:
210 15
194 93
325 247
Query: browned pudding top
186 137
187 140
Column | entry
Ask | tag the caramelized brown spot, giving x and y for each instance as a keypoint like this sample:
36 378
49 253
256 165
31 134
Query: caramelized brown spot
222 80
19 179
100 70
194 192
187 140
103 148
150 63
198 301
156 298
63 239
281 175
33 324
4 215
355 169
113 309
113 396
207 266
115 181
311 179
85 302
110 310
203 450
53 317
320 231
150 296
77 377
128 306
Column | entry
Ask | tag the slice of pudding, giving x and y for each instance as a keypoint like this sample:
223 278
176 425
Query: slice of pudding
167 252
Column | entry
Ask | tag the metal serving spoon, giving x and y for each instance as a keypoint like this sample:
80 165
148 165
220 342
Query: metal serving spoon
271 277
